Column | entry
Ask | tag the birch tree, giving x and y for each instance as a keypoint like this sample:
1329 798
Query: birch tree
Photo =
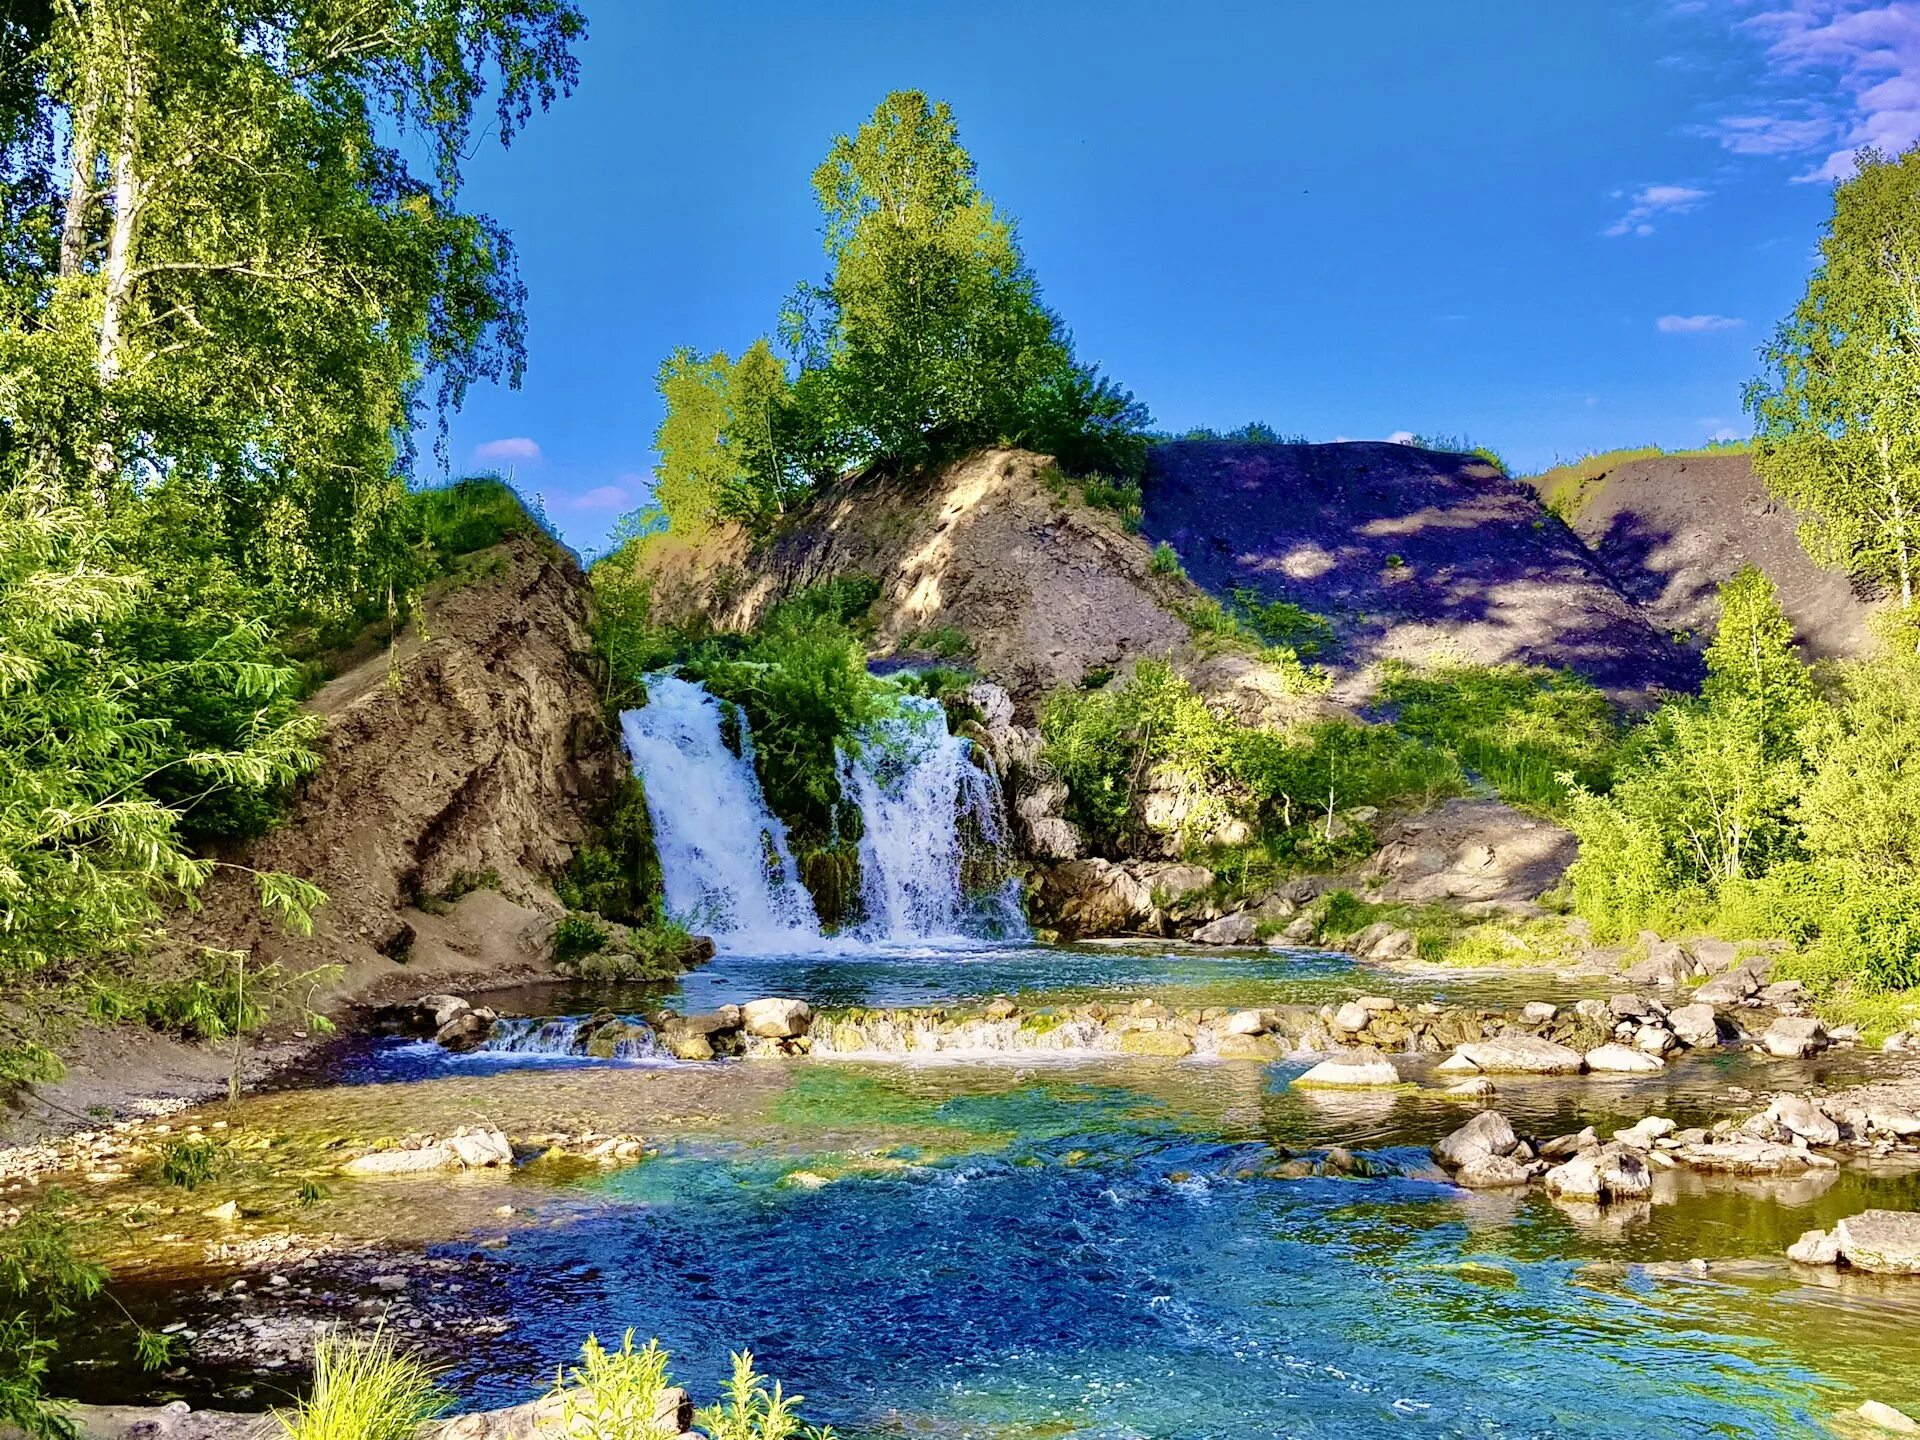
1838 412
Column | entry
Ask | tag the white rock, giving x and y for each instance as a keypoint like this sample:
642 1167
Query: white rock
1814 1247
1351 1017
1800 1116
1491 1172
1236 929
1478 1088
1246 1022
776 1019
1354 1068
1876 1412
1523 1055
1488 1133
1612 1172
1642 1135
1698 1026
1883 1242
1793 1036
1538 1012
1623 1060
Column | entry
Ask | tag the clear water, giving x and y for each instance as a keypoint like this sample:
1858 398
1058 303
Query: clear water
1111 1251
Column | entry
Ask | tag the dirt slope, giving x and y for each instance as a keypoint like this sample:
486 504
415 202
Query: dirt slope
1410 553
488 752
1670 529
1045 588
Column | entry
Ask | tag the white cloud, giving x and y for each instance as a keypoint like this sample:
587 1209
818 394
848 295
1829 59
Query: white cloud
1400 437
1652 202
603 497
1695 324
1724 434
1857 64
514 447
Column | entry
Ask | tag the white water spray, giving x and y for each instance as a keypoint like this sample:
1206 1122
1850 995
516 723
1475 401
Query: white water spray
931 816
723 853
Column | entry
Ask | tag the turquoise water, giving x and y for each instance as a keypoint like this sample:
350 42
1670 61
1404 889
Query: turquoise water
1124 1252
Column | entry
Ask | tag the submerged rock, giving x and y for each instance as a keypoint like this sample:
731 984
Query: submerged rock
1168 1044
1248 1047
1898 1422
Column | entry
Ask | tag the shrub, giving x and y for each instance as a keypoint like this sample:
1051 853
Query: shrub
752 1409
578 935
616 874
364 1389
188 1164
1166 561
41 1283
613 1394
1527 730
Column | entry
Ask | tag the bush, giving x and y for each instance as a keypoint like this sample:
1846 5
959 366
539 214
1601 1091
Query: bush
41 1283
578 935
364 1389
616 874
1166 561
1526 730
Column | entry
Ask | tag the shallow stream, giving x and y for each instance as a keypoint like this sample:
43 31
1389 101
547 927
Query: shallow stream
1107 1247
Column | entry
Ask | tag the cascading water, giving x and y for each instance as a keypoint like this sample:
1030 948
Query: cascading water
723 853
933 853
575 1037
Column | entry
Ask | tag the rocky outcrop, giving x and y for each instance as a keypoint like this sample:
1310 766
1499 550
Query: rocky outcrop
1880 1242
1478 852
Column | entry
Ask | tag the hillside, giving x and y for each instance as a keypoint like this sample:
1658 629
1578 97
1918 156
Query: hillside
995 550
1670 529
1411 554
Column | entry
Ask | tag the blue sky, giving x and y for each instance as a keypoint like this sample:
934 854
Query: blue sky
1552 228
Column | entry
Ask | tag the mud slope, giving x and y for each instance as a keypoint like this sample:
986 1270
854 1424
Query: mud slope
1670 529
1411 554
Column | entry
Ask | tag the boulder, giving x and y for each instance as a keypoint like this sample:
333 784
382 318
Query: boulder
1714 956
1091 897
1881 1242
1248 1047
1623 1060
1396 944
1666 967
1728 989
465 1149
1814 1247
1001 1007
1611 1172
467 1029
1696 1026
1351 1017
1800 1116
1783 992
1247 1022
1896 1422
776 1019
1351 1069
1793 1036
1491 1172
1562 1146
1643 1133
1521 1055
1478 1088
1235 929
1750 1155
1488 1133
1538 1012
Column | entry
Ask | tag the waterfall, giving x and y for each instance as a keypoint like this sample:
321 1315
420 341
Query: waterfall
723 853
933 852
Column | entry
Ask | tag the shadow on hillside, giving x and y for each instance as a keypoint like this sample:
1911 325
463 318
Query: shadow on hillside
1408 552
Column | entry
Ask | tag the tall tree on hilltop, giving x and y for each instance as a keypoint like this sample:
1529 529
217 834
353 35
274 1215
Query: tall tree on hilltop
219 277
1838 414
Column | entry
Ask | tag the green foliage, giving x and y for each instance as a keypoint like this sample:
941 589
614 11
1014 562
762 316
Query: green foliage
1166 561
441 523
1111 745
578 935
41 1283
1838 411
365 1389
1254 432
1569 486
1122 497
927 339
613 1394
1528 731
752 1409
190 1163
1460 445
616 874
1235 626
1282 623
1704 791
658 950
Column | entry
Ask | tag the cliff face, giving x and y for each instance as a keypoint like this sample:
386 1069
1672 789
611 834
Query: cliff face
478 750
1671 529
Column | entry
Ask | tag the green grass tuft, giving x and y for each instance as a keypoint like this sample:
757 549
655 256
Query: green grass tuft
365 1389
